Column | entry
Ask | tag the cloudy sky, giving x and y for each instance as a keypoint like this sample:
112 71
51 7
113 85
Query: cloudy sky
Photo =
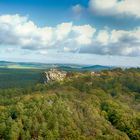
104 32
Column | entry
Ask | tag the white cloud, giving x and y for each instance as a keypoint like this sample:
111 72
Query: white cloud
17 31
115 7
103 37
77 9
63 30
43 52
84 34
9 50
115 42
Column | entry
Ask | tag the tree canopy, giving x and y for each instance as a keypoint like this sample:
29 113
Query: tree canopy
83 107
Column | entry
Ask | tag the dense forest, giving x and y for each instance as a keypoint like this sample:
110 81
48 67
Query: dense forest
105 106
19 78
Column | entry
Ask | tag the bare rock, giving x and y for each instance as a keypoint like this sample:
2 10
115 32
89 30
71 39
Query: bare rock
54 75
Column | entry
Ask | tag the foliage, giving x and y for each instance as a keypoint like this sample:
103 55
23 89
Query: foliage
83 107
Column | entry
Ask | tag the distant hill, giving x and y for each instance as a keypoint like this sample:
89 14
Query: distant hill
66 67
21 74
96 68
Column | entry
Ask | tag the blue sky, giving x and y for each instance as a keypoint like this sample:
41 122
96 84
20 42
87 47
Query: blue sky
71 31
42 12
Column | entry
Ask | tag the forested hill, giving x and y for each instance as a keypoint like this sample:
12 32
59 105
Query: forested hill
102 106
66 67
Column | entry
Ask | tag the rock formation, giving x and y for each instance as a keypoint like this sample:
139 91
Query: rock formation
54 75
95 74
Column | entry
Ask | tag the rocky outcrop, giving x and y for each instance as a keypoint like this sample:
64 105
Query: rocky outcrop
95 74
54 75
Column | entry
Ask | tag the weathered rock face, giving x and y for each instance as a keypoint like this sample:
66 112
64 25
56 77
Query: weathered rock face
54 75
95 74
